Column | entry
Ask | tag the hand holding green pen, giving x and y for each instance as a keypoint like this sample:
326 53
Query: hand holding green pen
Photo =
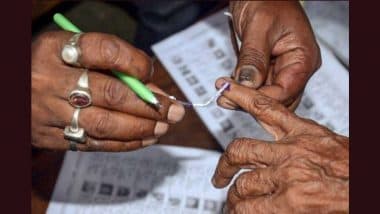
117 120
139 88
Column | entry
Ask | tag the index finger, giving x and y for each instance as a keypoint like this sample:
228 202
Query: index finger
109 52
274 117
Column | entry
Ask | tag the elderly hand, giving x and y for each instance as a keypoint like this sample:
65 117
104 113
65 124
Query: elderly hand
278 52
117 120
304 171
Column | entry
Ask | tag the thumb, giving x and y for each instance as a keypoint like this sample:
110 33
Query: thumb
254 56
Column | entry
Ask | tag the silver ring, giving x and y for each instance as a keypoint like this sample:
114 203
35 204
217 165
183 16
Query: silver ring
81 96
71 52
74 132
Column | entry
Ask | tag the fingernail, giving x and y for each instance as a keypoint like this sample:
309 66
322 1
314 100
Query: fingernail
161 128
213 181
176 113
246 75
219 83
148 142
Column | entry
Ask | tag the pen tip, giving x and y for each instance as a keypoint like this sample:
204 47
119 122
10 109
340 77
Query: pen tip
156 103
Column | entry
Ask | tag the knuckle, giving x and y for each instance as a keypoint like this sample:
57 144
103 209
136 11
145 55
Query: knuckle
145 65
146 69
115 93
300 55
261 103
110 50
230 193
234 149
310 57
141 129
242 207
243 182
299 171
102 124
232 196
47 38
286 174
252 56
292 197
39 81
44 42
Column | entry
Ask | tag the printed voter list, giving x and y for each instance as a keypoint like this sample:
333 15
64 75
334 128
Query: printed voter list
155 180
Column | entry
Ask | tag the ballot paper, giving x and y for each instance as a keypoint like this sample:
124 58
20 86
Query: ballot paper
198 55
157 179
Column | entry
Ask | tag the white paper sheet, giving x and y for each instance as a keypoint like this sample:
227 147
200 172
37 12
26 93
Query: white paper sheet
198 55
157 179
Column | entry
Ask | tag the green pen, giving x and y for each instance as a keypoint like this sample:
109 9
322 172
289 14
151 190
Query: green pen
138 87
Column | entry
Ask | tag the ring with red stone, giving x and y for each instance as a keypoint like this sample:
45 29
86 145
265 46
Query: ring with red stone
81 96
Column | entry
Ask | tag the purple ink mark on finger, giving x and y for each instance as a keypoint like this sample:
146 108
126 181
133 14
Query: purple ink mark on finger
188 105
228 87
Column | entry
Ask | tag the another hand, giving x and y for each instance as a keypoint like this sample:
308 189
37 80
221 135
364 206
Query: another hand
304 171
117 120
279 52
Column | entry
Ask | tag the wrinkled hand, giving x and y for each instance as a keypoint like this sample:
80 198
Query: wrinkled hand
117 120
279 52
304 171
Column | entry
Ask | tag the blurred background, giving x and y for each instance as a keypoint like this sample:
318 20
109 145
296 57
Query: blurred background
145 22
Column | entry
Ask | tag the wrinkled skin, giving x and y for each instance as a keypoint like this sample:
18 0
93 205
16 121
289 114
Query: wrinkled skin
117 120
305 170
279 52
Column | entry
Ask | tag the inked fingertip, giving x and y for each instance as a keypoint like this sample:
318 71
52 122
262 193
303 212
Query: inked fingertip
228 86
221 81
